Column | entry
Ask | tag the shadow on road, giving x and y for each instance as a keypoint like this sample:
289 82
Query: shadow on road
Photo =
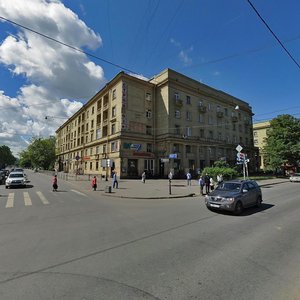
247 211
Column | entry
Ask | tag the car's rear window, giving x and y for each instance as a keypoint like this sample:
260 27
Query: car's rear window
229 186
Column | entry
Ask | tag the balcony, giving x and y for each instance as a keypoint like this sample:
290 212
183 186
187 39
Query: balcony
178 102
220 114
202 108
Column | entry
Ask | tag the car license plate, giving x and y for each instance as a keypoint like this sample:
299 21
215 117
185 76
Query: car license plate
215 205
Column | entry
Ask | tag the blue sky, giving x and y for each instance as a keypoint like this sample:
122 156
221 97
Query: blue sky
220 43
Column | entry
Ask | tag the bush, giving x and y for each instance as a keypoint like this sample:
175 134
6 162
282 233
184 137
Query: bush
228 173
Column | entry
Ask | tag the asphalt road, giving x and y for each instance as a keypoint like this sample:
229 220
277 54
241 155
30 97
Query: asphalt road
83 245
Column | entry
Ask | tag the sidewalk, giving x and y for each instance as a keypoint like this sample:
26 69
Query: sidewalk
155 188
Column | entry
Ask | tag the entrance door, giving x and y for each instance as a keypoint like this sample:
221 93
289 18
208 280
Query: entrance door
132 167
161 168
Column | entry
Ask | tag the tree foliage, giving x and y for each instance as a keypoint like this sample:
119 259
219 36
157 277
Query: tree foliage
283 142
40 153
6 157
227 172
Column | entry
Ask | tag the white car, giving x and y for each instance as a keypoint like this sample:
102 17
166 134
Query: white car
16 179
295 177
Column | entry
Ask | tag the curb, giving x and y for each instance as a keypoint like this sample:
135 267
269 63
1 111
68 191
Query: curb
267 184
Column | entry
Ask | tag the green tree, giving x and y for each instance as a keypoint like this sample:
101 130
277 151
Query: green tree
283 142
6 157
40 153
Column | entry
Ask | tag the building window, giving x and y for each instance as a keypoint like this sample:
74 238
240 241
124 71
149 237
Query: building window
226 112
98 104
148 96
148 114
113 128
211 134
91 151
93 110
114 94
177 114
210 106
188 131
188 149
149 130
255 142
92 124
149 147
176 148
104 149
92 137
202 133
97 150
188 115
201 118
97 165
219 136
177 129
98 120
87 127
114 146
188 99
91 166
113 112
98 134
210 120
176 96
255 133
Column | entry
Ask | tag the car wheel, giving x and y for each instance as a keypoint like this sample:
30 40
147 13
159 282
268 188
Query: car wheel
6 187
258 201
238 208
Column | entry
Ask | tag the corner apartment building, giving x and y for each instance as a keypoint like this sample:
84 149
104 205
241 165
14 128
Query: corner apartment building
170 122
260 134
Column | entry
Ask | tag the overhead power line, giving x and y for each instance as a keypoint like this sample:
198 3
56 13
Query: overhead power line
274 35
69 46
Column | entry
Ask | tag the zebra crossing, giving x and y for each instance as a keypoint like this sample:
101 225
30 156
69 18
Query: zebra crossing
25 199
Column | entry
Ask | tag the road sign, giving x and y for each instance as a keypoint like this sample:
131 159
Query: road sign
239 148
77 157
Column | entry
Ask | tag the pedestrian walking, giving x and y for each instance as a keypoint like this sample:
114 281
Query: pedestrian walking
144 177
207 182
54 183
115 180
94 183
170 176
211 183
201 184
189 178
219 178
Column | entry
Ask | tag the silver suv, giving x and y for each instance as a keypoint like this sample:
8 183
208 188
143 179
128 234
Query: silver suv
234 195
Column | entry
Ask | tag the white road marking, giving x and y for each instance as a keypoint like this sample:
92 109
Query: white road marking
42 197
10 200
79 193
27 199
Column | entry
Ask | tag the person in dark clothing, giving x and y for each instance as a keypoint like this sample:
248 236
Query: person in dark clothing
207 183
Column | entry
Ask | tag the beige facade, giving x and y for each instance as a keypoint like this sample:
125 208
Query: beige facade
260 135
170 122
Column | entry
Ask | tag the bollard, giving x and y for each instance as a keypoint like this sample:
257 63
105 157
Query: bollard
170 187
108 189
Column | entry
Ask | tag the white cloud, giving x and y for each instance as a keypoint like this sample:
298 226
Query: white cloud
57 78
183 55
217 73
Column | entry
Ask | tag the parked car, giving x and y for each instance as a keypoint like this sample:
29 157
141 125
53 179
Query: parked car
16 179
6 172
234 195
2 177
295 177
